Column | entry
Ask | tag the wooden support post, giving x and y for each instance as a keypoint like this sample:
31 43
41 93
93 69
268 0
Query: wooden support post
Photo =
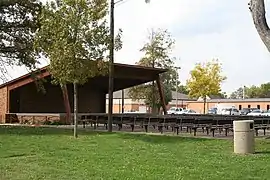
8 101
123 100
161 94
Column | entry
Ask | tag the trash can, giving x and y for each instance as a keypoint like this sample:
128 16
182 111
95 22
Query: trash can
244 141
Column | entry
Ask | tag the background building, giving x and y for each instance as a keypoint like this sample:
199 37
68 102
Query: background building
139 106
184 101
260 103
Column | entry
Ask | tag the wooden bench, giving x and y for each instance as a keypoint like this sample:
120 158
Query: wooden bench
261 124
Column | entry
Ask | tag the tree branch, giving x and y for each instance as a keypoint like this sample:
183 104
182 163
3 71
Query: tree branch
257 9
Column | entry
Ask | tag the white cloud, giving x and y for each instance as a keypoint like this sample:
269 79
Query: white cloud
203 30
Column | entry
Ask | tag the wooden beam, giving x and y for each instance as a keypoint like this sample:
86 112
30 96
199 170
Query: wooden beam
27 80
8 101
139 76
161 94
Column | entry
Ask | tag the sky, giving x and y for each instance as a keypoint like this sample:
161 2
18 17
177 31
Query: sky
203 30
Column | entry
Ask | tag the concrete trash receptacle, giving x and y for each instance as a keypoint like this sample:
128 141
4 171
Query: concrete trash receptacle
244 141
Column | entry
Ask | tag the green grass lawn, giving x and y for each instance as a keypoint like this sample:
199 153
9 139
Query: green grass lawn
47 153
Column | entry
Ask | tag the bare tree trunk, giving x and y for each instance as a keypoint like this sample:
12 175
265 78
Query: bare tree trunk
257 8
75 110
66 103
161 95
204 104
155 110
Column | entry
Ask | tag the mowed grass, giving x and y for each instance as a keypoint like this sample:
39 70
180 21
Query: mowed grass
50 153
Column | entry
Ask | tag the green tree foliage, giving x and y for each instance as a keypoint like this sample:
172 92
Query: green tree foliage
238 94
181 89
157 53
253 92
19 22
262 91
74 35
222 95
205 80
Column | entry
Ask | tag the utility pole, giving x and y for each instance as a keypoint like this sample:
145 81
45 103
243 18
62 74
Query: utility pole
176 88
153 66
244 92
111 68
177 78
111 64
176 96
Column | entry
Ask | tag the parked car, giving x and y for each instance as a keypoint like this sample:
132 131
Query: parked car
212 111
252 109
245 111
266 113
221 107
256 112
230 111
174 110
133 112
188 111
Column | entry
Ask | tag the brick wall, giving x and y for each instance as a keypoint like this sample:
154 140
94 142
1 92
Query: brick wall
3 103
127 108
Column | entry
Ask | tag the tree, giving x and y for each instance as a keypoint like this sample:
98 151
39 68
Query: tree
180 89
205 80
19 21
238 94
222 95
257 9
75 37
252 92
264 90
157 53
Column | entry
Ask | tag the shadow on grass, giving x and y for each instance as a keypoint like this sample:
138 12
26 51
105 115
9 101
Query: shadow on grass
42 131
160 139
263 152
29 131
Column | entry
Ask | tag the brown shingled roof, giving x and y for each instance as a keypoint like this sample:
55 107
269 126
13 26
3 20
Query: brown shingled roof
44 70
